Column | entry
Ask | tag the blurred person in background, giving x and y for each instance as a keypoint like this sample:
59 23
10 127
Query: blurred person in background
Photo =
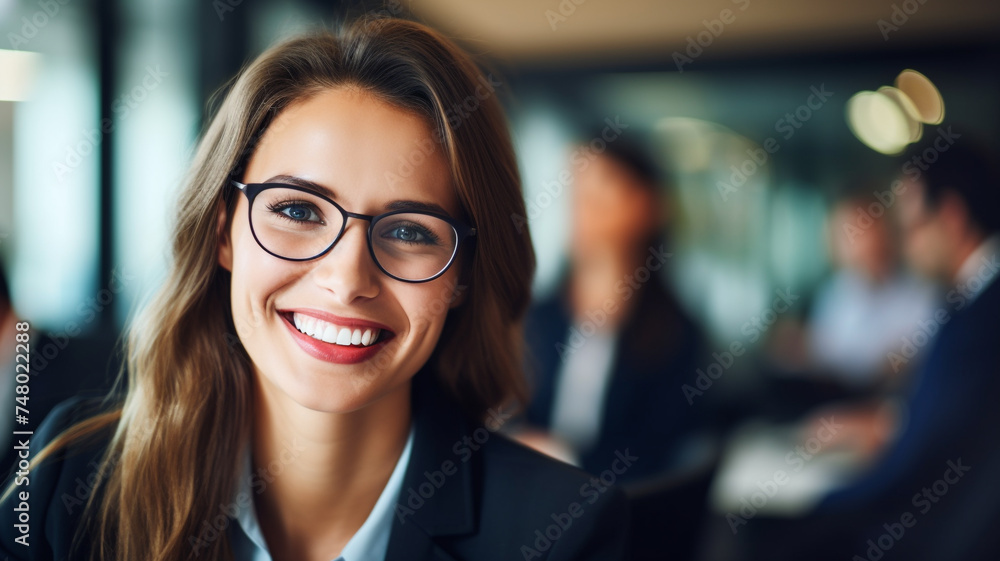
612 345
8 360
59 367
869 302
861 313
933 493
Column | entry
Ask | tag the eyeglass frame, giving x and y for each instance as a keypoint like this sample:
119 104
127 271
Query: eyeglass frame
251 190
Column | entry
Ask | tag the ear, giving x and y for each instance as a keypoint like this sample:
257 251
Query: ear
225 240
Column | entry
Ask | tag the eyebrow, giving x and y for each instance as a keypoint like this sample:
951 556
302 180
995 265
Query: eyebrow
402 204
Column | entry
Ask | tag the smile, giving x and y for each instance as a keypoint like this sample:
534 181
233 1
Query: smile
335 334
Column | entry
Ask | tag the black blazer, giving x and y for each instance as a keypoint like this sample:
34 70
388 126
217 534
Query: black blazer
500 500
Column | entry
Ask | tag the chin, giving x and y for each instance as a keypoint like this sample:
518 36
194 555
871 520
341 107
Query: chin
337 393
330 404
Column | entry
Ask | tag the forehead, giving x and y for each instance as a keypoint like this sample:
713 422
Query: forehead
604 168
367 151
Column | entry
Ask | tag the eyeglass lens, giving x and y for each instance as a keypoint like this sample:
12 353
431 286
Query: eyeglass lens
298 225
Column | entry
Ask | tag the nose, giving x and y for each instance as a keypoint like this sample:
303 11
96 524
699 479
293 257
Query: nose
348 270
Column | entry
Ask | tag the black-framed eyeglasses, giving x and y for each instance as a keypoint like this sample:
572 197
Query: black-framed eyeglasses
298 224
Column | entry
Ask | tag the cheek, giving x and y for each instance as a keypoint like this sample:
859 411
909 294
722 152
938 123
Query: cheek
426 307
923 246
254 279
914 241
601 216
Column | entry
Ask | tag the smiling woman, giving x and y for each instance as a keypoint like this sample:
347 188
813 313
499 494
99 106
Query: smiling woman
323 372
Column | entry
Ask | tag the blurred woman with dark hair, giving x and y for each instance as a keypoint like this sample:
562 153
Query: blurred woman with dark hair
612 347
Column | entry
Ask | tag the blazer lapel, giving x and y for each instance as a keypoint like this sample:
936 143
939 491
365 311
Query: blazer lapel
436 499
410 542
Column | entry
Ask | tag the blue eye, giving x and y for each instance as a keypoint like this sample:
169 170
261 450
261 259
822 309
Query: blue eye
410 234
296 212
407 234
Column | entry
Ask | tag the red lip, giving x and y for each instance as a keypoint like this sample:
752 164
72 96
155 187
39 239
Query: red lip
329 352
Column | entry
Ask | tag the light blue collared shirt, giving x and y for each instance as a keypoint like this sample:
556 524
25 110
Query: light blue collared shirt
368 544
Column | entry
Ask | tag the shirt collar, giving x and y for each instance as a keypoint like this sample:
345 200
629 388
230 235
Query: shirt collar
980 265
369 543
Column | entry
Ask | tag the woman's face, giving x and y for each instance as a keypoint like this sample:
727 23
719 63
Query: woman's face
611 209
371 157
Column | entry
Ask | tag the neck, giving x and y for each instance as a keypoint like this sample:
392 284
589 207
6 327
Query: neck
327 469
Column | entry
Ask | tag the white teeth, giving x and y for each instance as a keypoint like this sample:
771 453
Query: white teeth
344 337
330 333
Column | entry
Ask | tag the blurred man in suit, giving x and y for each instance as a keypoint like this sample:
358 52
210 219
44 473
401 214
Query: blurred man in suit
934 493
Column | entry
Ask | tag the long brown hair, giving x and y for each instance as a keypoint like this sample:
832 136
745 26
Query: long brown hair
172 459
